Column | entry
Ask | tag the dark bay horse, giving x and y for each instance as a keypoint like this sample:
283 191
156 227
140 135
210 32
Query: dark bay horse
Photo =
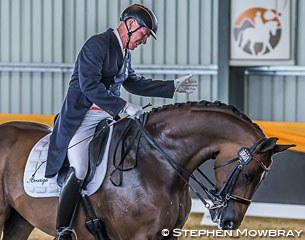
153 195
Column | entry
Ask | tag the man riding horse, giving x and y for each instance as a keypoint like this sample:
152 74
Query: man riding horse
101 68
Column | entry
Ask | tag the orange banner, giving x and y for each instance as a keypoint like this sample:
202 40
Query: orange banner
44 119
287 132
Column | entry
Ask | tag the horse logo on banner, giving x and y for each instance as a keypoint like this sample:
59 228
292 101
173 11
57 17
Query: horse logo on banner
257 31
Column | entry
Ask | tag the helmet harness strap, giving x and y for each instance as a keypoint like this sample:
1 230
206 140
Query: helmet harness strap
130 33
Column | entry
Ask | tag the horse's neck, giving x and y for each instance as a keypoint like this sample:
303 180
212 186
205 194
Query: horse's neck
191 138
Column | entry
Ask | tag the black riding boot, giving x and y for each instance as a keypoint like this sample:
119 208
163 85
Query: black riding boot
68 201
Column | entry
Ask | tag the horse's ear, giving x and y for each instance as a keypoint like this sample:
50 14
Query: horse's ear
269 144
281 147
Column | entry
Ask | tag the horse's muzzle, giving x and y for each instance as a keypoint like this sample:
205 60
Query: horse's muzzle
227 219
224 217
227 224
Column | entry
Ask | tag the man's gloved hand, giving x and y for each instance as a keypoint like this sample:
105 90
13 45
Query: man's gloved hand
185 84
132 110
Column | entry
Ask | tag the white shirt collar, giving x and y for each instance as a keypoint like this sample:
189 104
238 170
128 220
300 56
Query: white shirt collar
116 33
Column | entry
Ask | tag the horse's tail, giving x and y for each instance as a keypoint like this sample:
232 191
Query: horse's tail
240 36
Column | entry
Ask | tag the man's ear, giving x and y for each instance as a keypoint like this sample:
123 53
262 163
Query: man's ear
130 22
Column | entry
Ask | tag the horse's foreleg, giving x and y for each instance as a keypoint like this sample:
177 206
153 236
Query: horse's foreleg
16 227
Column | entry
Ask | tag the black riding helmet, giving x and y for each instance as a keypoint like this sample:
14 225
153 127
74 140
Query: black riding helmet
143 16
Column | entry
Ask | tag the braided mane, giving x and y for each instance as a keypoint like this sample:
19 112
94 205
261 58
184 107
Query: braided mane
207 104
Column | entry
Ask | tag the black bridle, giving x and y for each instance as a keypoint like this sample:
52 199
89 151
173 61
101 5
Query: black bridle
219 198
245 156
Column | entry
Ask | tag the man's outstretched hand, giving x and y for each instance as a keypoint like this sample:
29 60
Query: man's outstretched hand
185 84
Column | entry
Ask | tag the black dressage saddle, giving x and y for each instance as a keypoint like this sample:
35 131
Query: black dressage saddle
96 152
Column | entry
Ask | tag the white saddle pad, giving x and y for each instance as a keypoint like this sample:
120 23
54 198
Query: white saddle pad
36 185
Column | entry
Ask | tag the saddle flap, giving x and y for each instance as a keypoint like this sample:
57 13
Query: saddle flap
97 148
63 172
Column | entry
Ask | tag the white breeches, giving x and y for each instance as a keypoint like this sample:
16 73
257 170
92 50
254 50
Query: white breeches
79 144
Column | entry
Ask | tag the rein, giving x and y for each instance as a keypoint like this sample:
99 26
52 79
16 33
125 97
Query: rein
218 197
125 147
180 170
221 197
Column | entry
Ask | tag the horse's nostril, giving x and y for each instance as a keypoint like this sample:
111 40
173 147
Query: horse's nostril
228 225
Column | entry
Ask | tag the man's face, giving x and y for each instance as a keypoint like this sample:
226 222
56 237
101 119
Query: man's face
139 36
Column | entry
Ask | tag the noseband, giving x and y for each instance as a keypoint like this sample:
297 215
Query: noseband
219 198
245 156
